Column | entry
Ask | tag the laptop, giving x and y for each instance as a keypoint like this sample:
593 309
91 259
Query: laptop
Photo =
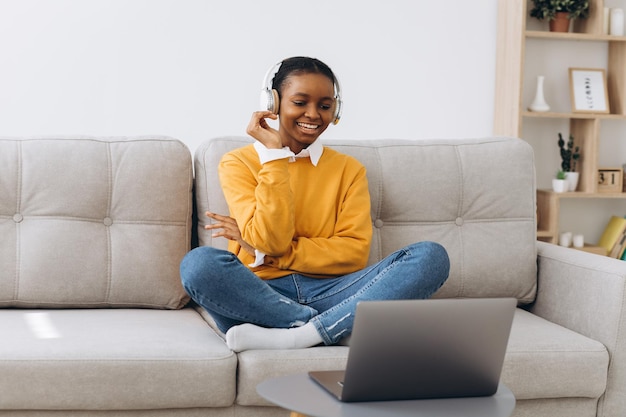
419 349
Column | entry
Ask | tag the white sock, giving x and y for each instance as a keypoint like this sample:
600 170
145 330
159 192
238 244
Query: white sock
249 336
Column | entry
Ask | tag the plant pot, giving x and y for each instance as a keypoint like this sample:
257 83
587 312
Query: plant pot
559 186
560 23
572 180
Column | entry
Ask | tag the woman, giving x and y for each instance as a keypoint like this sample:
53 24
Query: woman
299 229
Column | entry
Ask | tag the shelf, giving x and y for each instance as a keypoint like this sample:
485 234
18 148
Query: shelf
557 115
541 34
578 194
592 249
511 115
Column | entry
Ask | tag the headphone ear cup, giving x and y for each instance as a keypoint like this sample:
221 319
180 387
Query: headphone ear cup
275 102
269 100
337 112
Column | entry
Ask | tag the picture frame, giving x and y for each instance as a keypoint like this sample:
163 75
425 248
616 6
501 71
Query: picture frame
588 90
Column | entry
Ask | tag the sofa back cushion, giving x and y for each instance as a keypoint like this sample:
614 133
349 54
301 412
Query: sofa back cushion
94 222
474 196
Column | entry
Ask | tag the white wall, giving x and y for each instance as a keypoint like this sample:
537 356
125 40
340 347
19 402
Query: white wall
192 69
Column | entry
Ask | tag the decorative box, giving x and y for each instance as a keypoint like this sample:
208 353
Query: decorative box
610 180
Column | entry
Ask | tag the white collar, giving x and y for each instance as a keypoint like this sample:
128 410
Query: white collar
314 152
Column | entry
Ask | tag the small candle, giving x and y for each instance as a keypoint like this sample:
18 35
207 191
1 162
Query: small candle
566 239
578 240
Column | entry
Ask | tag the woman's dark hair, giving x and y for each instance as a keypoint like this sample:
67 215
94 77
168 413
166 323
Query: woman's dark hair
300 65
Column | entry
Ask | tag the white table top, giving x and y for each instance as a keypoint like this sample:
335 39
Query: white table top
301 394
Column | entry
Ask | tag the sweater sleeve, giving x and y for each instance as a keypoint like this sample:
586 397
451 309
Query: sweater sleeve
261 203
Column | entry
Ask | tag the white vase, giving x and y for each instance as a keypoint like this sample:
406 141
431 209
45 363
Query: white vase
616 25
572 180
539 102
559 186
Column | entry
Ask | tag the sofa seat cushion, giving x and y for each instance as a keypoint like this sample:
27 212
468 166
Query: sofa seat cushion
543 360
256 366
108 359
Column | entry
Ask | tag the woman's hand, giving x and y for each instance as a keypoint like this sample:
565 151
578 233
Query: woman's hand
259 129
230 230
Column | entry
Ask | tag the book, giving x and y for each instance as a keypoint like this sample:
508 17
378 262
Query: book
612 233
619 247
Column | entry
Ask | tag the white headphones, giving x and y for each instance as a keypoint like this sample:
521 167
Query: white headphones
271 102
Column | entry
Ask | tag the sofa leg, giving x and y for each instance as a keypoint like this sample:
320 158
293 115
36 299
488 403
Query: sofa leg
294 414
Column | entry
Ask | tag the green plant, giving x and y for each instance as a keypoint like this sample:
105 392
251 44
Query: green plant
560 174
569 154
547 9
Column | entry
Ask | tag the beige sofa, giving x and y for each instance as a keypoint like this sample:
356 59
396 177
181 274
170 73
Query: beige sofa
94 320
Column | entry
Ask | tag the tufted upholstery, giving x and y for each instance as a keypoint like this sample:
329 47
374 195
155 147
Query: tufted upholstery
433 190
91 222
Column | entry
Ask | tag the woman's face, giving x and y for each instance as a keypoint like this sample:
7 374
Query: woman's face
306 109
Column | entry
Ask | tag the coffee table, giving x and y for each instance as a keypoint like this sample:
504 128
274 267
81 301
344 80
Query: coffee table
304 397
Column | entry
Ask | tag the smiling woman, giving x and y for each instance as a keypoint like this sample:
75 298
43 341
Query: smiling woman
306 109
307 95
299 228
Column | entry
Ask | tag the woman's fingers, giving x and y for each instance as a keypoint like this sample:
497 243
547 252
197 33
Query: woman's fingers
220 217
259 129
229 227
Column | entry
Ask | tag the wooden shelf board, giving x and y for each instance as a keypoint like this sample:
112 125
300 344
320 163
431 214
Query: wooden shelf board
558 115
573 36
579 194
592 249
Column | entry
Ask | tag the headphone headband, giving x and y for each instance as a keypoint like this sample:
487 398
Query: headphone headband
270 100
269 76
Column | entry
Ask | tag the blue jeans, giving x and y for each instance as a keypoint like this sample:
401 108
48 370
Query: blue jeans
233 294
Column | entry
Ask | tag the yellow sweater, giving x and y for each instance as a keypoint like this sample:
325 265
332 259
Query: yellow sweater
311 220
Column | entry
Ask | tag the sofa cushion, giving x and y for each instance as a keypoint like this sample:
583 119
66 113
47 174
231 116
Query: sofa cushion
543 360
255 366
112 359
474 196
89 222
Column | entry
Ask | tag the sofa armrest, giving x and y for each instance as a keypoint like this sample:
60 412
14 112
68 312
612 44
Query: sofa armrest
586 293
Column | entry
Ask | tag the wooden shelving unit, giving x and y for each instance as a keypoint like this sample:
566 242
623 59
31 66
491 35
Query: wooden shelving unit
510 112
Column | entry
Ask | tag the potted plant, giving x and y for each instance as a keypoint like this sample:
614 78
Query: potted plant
560 184
560 12
570 155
